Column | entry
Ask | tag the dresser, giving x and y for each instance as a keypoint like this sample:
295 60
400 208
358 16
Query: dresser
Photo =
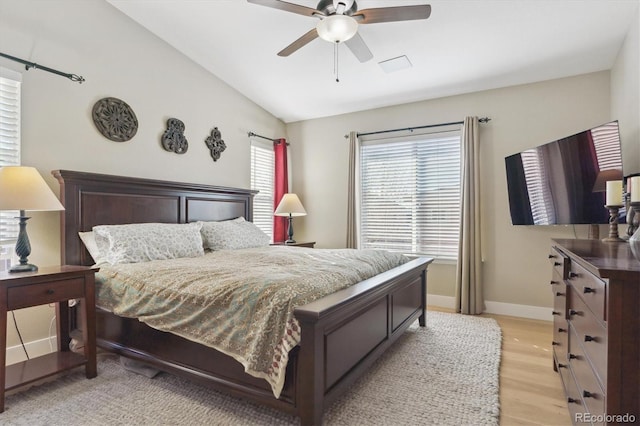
596 329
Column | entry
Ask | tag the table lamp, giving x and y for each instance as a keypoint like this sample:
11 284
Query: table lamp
22 188
290 206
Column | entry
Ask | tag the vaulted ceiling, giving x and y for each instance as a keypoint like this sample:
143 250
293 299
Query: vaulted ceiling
464 46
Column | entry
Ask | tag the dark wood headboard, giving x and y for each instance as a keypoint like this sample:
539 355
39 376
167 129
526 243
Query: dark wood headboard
95 199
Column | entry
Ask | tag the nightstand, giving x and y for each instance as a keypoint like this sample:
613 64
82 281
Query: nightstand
309 244
56 284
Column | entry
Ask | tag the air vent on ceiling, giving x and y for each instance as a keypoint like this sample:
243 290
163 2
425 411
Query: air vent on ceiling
395 64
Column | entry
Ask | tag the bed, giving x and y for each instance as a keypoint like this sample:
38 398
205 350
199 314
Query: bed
342 334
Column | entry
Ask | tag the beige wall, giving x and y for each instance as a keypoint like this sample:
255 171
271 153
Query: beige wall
625 96
515 263
117 58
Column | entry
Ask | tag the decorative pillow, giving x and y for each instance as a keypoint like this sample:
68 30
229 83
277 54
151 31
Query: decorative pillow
89 241
232 234
142 242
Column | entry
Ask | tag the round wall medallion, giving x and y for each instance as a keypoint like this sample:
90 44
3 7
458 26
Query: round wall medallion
115 119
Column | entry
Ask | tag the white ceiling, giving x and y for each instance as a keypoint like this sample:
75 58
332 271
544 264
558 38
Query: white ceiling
465 46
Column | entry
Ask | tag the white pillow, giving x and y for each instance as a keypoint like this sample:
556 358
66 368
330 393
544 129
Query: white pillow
232 234
142 242
89 241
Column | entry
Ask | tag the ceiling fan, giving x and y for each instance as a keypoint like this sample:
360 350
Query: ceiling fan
339 20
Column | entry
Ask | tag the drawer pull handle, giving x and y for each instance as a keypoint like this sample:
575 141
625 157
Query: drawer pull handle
560 294
572 275
555 344
562 365
588 338
572 356
552 256
588 290
557 264
50 291
556 313
562 330
574 312
588 394
553 282
572 401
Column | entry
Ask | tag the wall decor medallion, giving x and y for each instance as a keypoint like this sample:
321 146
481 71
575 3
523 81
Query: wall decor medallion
215 144
114 119
173 138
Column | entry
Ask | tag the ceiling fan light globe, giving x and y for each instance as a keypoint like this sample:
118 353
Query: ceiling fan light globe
337 28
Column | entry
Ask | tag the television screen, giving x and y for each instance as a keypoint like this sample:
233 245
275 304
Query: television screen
564 182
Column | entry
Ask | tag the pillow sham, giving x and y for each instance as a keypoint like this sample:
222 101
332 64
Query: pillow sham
232 234
89 241
142 242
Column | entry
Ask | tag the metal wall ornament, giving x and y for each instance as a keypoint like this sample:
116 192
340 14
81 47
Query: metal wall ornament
173 139
114 119
215 144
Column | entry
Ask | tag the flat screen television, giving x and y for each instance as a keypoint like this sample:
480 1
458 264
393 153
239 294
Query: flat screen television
563 182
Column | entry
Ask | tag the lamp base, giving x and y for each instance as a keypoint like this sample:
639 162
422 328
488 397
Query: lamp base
27 267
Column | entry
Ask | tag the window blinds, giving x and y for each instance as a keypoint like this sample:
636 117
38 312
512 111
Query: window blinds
262 179
410 194
9 141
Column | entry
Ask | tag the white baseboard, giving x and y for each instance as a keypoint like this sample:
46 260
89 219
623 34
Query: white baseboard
34 349
498 308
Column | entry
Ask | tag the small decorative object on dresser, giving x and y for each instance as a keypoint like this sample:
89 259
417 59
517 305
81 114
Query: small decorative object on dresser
614 202
56 284
215 144
596 289
23 188
114 119
290 206
173 139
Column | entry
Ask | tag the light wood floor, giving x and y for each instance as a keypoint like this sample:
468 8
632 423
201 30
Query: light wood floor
530 391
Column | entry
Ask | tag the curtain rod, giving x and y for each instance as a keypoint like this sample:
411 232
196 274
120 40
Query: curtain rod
481 120
250 134
29 65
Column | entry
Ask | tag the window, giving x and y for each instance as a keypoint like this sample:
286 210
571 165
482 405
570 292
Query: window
10 82
410 194
262 179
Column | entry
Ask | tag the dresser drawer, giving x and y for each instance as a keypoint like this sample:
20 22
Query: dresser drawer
590 288
41 294
560 263
574 401
590 391
591 335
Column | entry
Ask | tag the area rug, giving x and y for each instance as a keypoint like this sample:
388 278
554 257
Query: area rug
444 374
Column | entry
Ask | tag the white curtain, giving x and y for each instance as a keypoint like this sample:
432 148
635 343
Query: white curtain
469 296
353 191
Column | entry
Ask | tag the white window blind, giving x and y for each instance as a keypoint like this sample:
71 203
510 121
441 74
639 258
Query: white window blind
10 82
262 179
410 194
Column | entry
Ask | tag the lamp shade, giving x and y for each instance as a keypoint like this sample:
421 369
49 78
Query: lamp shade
23 188
337 28
290 205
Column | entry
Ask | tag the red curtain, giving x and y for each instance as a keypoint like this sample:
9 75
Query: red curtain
280 223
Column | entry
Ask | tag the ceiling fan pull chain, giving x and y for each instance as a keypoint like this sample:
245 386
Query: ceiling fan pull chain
335 61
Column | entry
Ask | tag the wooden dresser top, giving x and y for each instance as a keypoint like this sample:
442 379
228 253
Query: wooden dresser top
607 260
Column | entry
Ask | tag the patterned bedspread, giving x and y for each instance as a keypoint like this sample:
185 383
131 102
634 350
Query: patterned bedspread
239 302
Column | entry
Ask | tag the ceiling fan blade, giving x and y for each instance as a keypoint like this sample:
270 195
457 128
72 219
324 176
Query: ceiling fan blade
302 41
287 7
392 14
359 48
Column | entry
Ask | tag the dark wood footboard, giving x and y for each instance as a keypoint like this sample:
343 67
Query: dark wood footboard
342 333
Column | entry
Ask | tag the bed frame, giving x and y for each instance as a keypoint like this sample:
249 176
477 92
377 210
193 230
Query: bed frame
342 333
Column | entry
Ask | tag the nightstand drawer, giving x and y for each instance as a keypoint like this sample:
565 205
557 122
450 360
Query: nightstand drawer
41 294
